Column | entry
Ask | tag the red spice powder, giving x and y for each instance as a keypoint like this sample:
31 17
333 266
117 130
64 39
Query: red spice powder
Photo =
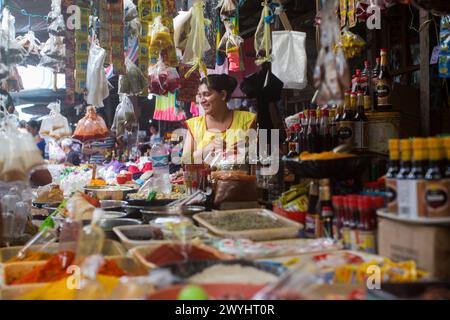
167 254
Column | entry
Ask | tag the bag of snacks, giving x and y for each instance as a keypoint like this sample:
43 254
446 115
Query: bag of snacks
55 125
134 82
91 127
160 36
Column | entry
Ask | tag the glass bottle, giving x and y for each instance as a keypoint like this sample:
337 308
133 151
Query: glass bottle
384 84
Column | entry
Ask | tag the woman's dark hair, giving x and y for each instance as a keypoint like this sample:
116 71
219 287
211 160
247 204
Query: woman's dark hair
34 124
220 82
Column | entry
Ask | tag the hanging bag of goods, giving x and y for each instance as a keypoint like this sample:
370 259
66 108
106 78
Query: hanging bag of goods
55 125
125 118
289 58
134 82
91 127
96 82
197 43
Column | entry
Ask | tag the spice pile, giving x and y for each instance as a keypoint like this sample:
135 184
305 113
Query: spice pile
237 221
168 254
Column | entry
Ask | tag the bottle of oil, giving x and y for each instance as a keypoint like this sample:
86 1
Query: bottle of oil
346 125
402 177
384 84
361 124
391 175
437 188
416 179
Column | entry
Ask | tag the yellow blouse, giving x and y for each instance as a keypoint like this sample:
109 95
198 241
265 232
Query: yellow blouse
242 121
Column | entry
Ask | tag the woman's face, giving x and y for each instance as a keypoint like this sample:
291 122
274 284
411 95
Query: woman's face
210 99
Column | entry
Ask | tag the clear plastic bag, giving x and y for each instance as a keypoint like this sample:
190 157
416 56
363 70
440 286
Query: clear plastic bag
227 8
91 127
160 36
134 82
11 52
263 43
163 79
54 47
125 118
181 26
32 46
331 74
197 41
55 125
55 153
96 83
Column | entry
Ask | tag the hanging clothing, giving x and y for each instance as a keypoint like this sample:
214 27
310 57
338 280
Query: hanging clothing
167 110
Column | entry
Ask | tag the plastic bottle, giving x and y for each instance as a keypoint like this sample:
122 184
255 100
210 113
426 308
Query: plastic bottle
159 156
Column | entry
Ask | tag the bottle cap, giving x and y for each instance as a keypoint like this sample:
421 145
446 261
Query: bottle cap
383 50
419 143
405 144
378 201
297 126
358 72
434 143
364 202
347 91
338 200
394 144
312 113
301 115
325 113
366 63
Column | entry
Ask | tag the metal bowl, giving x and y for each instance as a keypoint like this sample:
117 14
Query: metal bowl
108 215
109 192
112 205
108 224
152 213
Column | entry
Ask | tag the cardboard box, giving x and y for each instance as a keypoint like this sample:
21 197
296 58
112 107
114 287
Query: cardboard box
428 245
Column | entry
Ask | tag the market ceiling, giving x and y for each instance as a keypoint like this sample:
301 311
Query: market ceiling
299 10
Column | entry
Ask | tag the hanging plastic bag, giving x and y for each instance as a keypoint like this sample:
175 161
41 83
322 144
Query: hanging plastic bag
352 44
91 127
160 37
227 8
134 82
331 74
181 26
55 153
96 82
289 58
263 44
54 47
163 79
32 46
125 118
55 125
197 42
11 51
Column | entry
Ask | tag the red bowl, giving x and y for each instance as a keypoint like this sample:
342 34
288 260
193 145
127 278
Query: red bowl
216 291
129 176
121 180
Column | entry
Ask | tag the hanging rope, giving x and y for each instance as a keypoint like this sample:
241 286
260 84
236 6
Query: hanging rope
25 12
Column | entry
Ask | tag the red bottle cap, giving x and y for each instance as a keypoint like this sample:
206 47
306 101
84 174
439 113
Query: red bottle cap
383 50
325 113
358 72
338 200
364 202
366 63
297 126
301 115
194 184
312 113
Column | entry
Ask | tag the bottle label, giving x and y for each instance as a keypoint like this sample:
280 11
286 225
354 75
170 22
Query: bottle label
346 132
160 161
312 225
346 237
367 103
437 198
358 132
403 198
364 135
416 198
391 193
383 92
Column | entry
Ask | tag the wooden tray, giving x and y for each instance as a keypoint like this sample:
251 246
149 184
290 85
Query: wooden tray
111 248
141 252
290 230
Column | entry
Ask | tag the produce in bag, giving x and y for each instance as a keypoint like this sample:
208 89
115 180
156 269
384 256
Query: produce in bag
197 42
125 118
91 127
163 79
331 74
55 153
11 52
96 82
134 82
160 37
352 44
227 8
55 125
54 47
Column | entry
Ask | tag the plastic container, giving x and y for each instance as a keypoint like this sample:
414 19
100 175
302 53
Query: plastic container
159 156
297 216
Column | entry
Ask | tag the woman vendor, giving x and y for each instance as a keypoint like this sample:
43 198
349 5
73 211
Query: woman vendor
220 127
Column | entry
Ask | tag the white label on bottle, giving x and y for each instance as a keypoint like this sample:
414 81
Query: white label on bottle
403 189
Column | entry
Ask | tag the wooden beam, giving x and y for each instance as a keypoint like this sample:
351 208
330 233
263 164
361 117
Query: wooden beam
425 73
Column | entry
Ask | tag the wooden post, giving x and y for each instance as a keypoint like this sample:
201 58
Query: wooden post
55 81
425 73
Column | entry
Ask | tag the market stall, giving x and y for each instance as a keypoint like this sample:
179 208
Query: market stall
285 160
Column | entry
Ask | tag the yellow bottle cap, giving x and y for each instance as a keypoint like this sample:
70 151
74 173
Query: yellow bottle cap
394 144
405 144
419 143
434 143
